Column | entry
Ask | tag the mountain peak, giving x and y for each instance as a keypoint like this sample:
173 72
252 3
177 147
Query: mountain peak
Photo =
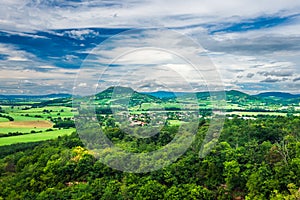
118 88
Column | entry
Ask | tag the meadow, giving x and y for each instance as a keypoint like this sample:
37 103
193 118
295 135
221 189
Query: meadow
26 121
35 137
32 124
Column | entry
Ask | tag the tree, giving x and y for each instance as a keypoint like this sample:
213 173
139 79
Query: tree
231 173
151 190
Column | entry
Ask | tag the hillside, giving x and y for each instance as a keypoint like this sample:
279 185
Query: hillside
249 161
281 95
124 93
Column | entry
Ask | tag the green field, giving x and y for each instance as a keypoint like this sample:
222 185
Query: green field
147 106
19 117
175 122
19 114
27 120
35 137
20 130
2 119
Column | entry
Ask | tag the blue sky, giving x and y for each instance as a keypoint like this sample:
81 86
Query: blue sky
254 47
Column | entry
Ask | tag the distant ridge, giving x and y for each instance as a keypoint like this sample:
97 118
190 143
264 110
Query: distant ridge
166 94
201 95
282 95
230 94
47 96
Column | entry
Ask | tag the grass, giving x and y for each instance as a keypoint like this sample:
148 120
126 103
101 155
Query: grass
18 117
19 114
53 108
20 130
2 119
175 122
147 106
46 115
26 124
35 137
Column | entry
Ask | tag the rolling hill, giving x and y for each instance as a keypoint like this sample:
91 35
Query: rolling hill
281 95
136 98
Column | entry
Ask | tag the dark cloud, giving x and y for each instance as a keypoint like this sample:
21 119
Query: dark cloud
296 79
250 75
235 70
252 45
70 73
151 85
285 79
256 66
278 73
271 80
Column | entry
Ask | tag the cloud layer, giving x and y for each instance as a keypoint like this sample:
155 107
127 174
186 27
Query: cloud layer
254 46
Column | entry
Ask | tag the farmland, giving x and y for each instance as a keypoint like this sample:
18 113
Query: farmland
24 120
27 124
24 123
35 137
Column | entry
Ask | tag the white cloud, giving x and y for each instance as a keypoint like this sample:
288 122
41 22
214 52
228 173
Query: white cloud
150 58
81 34
17 58
14 54
25 15
19 80
241 57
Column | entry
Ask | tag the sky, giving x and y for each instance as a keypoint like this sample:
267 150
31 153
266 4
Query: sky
56 46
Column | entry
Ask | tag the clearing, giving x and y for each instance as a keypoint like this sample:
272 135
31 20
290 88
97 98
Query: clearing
27 124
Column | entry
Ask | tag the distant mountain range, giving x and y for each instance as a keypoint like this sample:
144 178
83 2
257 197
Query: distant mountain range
230 93
233 96
237 97
282 95
47 96
166 94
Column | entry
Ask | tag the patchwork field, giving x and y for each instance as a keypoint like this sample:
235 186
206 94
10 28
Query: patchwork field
32 124
27 124
34 121
35 137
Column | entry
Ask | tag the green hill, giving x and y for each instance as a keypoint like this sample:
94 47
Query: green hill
123 95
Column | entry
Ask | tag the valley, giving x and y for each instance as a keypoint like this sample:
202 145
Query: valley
37 118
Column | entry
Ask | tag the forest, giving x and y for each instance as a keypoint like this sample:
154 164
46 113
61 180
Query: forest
253 159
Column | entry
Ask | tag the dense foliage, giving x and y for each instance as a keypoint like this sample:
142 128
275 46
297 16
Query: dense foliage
253 159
